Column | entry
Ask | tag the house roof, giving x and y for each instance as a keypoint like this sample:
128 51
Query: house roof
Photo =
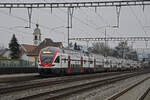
28 48
2 52
35 50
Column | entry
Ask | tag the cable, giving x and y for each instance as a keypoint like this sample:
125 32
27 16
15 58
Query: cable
15 31
20 18
89 20
44 26
140 23
60 18
82 22
106 22
21 40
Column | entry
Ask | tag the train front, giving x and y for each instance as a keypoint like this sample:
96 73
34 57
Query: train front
47 58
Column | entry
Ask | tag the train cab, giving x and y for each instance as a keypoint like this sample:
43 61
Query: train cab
49 60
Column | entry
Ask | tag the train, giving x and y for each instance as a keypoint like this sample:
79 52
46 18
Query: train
54 60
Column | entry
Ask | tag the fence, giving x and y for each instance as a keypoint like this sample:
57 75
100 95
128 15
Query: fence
17 66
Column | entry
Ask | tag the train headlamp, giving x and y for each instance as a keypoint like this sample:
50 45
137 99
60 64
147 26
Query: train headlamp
46 52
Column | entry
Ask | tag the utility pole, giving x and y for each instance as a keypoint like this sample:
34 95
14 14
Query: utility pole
68 26
146 43
69 18
105 54
124 50
87 44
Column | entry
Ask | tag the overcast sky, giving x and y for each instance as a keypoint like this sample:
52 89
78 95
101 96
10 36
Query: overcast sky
86 23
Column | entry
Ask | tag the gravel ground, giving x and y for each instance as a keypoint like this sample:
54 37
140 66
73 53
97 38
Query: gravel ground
40 90
137 92
147 96
17 95
9 78
17 75
104 92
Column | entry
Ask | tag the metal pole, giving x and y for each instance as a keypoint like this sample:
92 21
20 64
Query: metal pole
123 50
118 9
68 26
87 44
146 43
30 16
105 43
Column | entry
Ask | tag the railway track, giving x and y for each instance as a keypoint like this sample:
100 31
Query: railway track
118 96
66 91
145 95
48 81
19 78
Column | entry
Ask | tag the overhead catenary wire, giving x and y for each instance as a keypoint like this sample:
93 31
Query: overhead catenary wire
93 28
101 17
3 30
89 21
140 23
25 33
12 29
20 18
78 19
25 20
83 22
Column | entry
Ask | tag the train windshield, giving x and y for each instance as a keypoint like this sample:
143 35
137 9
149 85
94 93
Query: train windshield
47 56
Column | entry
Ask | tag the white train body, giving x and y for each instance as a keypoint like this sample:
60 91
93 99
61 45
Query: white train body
54 60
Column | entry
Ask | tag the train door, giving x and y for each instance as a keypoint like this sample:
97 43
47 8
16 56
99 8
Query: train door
61 64
57 67
111 65
103 65
81 65
64 63
88 64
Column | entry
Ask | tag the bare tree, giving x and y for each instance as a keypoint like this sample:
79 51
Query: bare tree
100 48
124 51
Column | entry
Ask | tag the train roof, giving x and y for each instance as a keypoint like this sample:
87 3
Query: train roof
82 53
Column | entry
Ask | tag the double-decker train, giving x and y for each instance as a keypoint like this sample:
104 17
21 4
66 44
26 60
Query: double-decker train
53 60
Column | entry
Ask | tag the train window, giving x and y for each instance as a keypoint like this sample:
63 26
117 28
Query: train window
57 60
91 62
65 60
38 60
84 61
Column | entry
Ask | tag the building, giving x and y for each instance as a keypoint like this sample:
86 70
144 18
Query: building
47 42
25 50
31 52
37 36
5 53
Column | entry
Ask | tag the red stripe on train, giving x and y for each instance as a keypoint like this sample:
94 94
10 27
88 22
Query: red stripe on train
69 63
81 70
48 64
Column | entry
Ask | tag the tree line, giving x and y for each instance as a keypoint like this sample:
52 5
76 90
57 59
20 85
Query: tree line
122 50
